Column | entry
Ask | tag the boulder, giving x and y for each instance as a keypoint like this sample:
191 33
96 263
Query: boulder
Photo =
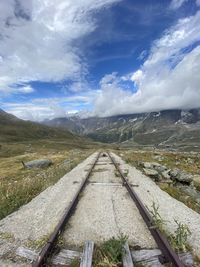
191 192
160 168
180 176
151 173
174 173
147 165
154 165
38 163
165 175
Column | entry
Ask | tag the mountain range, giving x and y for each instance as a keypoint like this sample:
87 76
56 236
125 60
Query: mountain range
164 128
15 129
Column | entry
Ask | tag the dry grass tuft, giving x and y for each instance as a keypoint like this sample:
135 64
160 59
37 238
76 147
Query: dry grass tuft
18 185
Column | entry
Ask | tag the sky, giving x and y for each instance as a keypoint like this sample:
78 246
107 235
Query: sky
98 57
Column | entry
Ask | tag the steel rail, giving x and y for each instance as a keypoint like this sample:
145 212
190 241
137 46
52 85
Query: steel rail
46 250
168 253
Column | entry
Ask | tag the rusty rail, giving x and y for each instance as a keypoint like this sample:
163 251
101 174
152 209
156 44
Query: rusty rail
168 253
46 250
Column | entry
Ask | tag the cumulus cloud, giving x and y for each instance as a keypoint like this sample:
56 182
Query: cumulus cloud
40 109
168 79
137 76
38 39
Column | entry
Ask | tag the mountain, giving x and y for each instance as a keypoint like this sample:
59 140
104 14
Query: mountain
162 128
14 129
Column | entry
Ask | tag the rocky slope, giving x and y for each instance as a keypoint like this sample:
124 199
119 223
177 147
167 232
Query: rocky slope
156 128
14 129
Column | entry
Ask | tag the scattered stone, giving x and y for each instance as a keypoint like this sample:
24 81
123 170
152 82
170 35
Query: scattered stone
38 163
190 161
153 165
165 174
191 192
174 173
180 176
158 157
151 173
146 165
160 168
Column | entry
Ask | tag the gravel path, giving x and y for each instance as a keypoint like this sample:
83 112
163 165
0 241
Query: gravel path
169 208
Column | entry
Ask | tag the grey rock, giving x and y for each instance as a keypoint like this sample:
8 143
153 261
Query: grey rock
160 168
165 174
158 157
151 173
38 163
174 173
147 165
180 176
191 192
154 165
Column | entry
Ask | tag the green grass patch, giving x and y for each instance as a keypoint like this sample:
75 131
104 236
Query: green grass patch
109 253
74 263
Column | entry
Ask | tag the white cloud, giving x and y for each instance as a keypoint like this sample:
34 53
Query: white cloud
168 79
175 4
137 76
40 109
38 39
27 89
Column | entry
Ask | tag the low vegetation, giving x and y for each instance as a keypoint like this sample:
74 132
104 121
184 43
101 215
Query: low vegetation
157 220
180 236
186 162
109 253
19 185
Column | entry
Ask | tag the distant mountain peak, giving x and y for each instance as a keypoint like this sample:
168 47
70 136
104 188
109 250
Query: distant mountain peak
151 128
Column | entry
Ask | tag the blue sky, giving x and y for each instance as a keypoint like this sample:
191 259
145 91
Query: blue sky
98 57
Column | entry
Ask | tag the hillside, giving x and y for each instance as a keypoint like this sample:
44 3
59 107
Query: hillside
14 129
164 128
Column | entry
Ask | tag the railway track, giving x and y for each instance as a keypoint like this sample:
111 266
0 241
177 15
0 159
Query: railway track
168 254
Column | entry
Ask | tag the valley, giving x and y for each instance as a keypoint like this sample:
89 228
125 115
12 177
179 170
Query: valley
170 145
177 129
